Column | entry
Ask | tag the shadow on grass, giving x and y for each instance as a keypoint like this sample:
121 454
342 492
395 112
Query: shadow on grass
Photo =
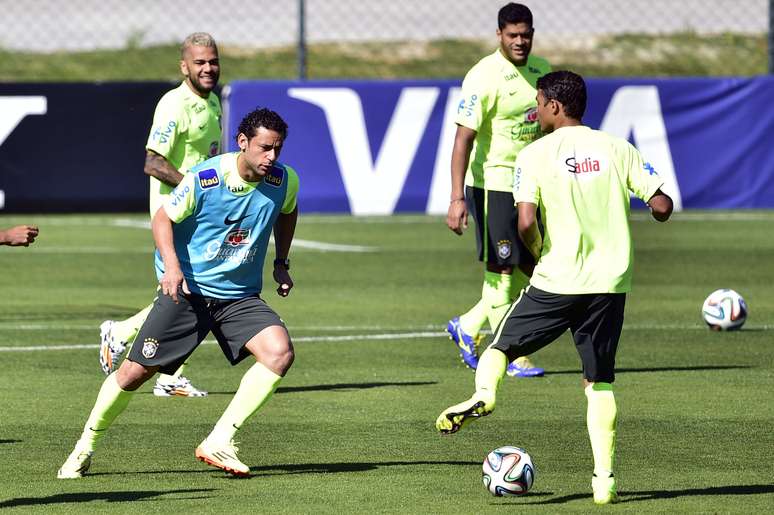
84 497
298 468
653 495
712 490
9 441
335 387
627 370
348 386
337 468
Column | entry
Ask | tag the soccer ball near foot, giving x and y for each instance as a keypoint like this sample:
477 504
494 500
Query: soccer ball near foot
508 471
724 310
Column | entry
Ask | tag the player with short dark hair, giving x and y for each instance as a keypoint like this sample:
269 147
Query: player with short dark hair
495 120
514 14
212 234
580 180
186 130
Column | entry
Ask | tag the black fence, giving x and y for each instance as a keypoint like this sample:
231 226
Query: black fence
432 38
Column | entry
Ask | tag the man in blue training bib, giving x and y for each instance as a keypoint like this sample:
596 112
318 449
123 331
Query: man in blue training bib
212 234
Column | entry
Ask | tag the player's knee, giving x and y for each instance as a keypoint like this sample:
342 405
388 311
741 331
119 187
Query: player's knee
272 348
130 375
286 360
282 357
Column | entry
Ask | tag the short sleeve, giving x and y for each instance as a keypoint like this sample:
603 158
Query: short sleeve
291 194
169 125
642 178
525 185
478 97
181 201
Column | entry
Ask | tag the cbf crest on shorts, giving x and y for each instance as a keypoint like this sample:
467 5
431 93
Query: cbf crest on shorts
149 347
504 249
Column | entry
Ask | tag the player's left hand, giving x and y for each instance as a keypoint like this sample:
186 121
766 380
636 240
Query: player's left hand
282 277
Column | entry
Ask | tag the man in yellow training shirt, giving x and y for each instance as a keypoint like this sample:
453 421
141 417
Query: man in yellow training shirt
580 180
186 131
495 120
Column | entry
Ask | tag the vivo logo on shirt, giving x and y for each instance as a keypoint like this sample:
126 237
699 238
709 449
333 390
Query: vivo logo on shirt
178 195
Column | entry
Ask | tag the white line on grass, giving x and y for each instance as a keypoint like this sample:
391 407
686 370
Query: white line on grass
723 216
297 243
13 326
148 251
342 338
307 339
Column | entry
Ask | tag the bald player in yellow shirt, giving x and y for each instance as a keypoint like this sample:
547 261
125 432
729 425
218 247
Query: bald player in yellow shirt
186 131
580 180
495 120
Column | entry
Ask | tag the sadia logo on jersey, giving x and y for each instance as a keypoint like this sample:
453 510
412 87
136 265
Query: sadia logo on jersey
237 237
530 116
208 178
584 165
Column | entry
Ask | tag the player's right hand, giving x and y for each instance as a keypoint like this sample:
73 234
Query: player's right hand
21 235
172 281
457 216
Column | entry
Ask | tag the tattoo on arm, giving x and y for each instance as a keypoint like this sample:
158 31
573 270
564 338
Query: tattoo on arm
157 166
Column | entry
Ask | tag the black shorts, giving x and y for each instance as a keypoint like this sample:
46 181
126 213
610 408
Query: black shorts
537 318
495 215
172 331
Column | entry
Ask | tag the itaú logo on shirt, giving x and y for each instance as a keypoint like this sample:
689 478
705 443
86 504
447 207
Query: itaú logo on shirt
583 166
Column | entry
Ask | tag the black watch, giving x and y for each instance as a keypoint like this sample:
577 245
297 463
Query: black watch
284 262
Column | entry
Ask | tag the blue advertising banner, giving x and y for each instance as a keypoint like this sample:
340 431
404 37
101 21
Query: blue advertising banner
375 147
379 147
75 147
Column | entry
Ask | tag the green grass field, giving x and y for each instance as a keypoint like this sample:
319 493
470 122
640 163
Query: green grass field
351 428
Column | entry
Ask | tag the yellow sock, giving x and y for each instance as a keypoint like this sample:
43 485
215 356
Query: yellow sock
497 296
256 387
472 321
126 330
489 373
111 401
601 417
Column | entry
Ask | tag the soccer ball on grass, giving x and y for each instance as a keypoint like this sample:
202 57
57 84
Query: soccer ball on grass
724 310
508 471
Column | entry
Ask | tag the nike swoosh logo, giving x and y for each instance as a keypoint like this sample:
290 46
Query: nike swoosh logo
229 221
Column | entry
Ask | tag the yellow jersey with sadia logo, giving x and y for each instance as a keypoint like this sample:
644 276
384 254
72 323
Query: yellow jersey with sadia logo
186 131
581 179
498 102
